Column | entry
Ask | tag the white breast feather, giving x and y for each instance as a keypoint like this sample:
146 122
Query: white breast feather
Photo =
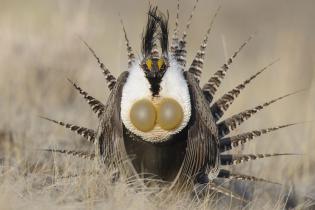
137 87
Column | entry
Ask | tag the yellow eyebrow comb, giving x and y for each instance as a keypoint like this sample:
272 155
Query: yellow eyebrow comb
149 64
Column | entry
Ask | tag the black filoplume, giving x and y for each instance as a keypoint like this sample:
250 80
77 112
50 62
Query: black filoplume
156 29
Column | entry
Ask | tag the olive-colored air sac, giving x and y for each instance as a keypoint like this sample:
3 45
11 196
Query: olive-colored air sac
169 114
143 115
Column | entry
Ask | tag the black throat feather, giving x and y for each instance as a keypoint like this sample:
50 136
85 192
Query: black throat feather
155 85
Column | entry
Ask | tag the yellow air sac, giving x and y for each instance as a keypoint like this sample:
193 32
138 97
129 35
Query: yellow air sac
143 115
169 114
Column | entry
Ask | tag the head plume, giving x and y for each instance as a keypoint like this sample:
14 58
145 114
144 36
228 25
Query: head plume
156 29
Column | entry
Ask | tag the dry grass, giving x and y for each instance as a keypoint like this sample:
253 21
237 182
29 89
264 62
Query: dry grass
40 49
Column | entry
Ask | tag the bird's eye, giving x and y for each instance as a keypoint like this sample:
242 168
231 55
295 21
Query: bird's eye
148 62
161 64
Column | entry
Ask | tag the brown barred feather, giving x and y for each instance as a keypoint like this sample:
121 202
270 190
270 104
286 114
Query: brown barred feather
231 159
95 104
226 126
89 134
131 55
197 64
210 88
174 45
79 154
228 143
110 79
232 176
189 21
180 52
221 105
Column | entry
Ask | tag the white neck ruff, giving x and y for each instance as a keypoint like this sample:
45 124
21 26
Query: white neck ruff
137 87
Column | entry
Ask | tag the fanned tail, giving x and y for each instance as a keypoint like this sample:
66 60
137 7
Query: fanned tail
229 143
89 134
238 159
221 105
210 88
95 104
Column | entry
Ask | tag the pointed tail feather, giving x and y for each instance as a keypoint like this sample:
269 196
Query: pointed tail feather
197 64
110 79
180 52
210 88
89 134
219 189
131 55
189 20
95 104
232 176
238 159
226 126
228 143
221 105
174 45
79 154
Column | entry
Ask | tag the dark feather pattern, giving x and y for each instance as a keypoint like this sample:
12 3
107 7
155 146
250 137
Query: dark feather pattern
235 176
160 33
229 143
202 150
79 154
238 159
131 55
210 88
226 126
163 36
174 45
95 104
89 134
179 47
221 105
110 79
148 37
197 64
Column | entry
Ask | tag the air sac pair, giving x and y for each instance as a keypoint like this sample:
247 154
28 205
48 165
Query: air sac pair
168 114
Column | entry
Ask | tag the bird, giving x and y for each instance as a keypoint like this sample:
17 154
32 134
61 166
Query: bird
159 120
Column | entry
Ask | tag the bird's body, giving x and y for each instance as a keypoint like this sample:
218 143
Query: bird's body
158 122
162 161
165 159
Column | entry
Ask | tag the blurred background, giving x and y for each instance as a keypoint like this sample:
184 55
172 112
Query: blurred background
40 49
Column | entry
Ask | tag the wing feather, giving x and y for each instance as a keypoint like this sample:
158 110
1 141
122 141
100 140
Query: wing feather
202 152
110 136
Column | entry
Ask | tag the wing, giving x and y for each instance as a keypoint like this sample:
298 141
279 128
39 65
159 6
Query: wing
110 132
202 152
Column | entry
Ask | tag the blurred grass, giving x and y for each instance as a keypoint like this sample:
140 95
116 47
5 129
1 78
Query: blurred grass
40 50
